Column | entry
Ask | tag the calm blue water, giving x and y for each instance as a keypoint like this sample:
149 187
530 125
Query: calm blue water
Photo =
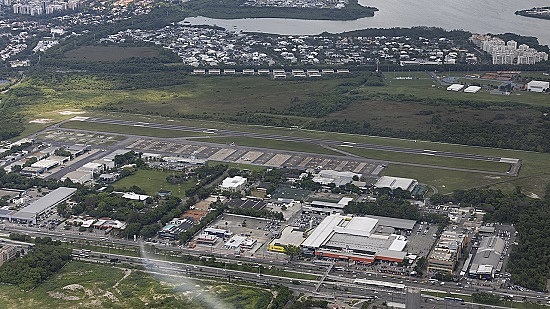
478 16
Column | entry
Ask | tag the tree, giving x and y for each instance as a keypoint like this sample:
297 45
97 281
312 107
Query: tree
293 251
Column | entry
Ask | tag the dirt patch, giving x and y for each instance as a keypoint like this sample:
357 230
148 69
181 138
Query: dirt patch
71 112
62 296
41 120
532 195
68 289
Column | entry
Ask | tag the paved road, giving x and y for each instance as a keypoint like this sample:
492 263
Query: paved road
330 283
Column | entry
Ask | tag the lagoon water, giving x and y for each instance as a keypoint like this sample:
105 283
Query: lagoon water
478 16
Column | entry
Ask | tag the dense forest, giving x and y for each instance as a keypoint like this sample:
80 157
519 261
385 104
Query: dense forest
43 260
237 9
530 259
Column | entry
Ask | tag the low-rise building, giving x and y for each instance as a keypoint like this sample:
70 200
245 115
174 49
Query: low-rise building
446 251
538 86
326 177
290 235
32 212
358 239
487 259
7 252
174 228
233 184
393 183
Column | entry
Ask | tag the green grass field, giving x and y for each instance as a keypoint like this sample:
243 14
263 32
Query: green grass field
445 181
225 97
421 86
110 53
534 174
429 160
151 181
131 130
87 285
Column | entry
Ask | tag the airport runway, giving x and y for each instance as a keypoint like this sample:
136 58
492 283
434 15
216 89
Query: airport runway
515 163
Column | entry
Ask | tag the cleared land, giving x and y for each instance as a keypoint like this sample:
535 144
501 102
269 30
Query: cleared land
151 181
110 53
85 285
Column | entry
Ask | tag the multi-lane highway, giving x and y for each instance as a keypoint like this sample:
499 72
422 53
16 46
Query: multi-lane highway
330 283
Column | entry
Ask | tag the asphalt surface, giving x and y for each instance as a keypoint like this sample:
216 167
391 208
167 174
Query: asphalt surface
515 164
331 283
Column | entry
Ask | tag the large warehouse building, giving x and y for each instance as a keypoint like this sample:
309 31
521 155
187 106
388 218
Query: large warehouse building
32 212
393 183
487 259
358 239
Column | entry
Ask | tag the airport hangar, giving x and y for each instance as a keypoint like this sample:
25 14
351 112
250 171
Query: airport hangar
32 212
359 239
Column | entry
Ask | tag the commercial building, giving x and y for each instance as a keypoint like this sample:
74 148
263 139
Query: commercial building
358 239
32 212
238 242
487 259
324 207
326 177
174 228
290 235
446 251
218 232
233 184
395 183
108 224
7 252
78 176
538 86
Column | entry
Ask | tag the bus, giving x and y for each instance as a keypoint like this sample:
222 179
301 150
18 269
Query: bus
455 299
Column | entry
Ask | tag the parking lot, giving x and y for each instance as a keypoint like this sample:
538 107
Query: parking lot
258 229
258 157
421 239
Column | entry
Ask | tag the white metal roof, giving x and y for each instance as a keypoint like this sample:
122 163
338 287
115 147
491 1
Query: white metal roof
455 87
394 182
472 89
46 202
233 182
